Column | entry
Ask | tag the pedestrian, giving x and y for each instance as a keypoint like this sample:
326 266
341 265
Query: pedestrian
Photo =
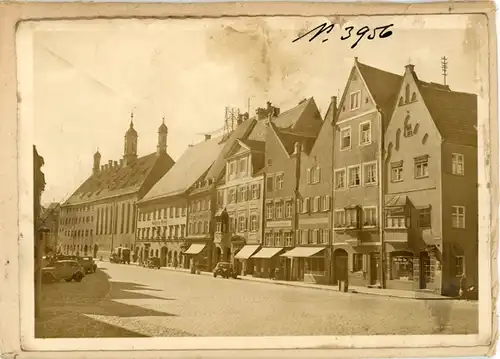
462 292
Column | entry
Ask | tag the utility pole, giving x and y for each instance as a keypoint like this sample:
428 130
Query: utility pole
444 68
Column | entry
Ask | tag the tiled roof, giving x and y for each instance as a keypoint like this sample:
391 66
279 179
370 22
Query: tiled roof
454 113
292 120
383 86
193 163
239 133
116 180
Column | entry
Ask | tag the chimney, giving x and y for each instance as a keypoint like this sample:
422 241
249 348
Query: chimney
190 146
103 167
240 119
269 106
207 137
110 164
116 164
246 116
121 162
333 107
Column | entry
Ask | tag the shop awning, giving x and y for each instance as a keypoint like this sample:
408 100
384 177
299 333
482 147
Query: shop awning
246 251
303 252
195 248
267 252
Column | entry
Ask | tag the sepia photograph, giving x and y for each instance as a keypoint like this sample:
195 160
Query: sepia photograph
267 176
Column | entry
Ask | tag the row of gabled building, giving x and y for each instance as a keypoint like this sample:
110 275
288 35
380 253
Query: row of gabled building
382 191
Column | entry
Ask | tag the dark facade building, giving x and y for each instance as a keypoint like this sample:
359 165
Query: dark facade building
431 228
162 228
101 214
364 112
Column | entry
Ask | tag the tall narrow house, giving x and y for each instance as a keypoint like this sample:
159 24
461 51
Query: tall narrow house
363 115
431 232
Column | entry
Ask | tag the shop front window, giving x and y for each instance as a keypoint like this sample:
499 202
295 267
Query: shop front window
315 266
402 266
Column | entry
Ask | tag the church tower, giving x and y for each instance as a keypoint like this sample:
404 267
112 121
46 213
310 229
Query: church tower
130 150
162 138
97 162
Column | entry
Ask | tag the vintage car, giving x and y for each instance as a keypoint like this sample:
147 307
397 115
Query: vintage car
153 262
88 264
63 269
225 270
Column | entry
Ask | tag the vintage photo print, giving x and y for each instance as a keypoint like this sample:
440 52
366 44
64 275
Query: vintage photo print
256 182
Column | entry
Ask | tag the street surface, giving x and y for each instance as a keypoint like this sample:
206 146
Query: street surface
151 302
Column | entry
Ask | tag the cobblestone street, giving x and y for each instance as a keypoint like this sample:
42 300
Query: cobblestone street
150 302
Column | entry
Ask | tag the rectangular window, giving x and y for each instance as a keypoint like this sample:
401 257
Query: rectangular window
254 223
183 230
355 102
325 236
397 173
242 221
370 173
421 167
305 205
277 239
357 262
270 182
351 217
340 181
218 227
316 204
220 198
425 217
305 237
457 164
243 166
232 168
268 239
345 138
354 174
288 209
243 194
326 203
269 210
396 220
288 239
279 181
279 210
369 216
340 218
171 211
458 217
365 133
255 191
459 265
232 195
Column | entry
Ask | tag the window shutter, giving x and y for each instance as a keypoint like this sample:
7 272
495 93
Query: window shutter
308 175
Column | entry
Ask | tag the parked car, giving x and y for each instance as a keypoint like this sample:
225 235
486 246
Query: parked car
153 262
88 264
225 270
63 269
114 258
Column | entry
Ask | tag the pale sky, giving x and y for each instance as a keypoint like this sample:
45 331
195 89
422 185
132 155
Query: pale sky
89 76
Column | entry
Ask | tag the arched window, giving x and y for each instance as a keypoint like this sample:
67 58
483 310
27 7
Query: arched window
398 139
408 127
424 139
413 97
401 102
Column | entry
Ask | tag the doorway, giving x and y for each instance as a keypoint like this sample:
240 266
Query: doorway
340 262
425 269
374 268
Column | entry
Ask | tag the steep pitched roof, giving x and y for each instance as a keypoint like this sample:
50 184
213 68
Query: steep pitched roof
239 133
193 163
454 113
257 146
292 120
288 139
383 86
116 180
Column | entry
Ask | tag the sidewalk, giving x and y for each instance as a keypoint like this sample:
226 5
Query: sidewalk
352 289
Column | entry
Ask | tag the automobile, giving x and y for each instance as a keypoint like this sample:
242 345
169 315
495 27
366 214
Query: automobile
63 269
88 264
113 258
225 270
153 262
